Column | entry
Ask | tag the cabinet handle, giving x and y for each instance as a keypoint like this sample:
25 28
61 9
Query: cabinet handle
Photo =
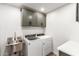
41 24
30 23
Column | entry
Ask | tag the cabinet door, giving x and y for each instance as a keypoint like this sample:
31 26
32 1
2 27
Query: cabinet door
41 19
24 17
47 47
35 48
27 16
34 20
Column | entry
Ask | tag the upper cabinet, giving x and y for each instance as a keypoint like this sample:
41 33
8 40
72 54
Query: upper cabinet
34 19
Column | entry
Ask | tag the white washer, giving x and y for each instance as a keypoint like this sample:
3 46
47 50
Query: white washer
34 47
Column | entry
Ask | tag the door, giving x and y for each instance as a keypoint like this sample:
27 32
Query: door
35 48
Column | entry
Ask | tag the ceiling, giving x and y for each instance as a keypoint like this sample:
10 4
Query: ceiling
36 6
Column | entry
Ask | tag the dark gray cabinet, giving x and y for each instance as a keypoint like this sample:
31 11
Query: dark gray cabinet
31 18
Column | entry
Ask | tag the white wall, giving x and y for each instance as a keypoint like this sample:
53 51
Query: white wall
62 25
32 30
10 22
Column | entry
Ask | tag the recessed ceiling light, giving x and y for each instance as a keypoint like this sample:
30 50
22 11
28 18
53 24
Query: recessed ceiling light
42 9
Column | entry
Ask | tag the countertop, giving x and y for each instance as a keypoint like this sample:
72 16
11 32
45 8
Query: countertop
70 47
